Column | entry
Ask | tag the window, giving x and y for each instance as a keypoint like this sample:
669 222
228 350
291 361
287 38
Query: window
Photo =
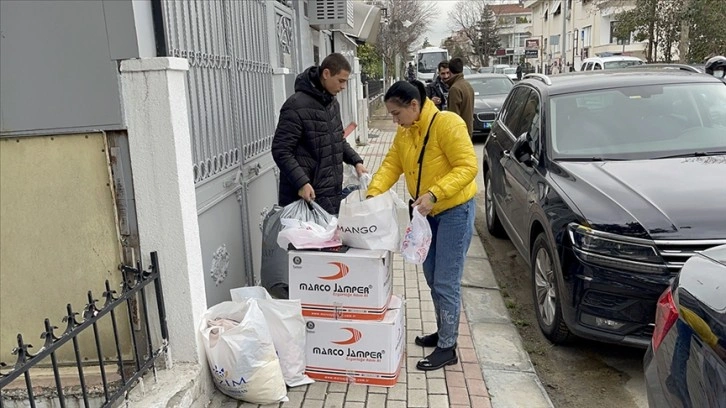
613 38
652 121
597 66
587 36
522 20
512 112
520 39
530 121
506 20
555 43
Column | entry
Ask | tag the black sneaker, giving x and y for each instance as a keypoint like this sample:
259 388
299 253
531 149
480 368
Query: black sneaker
429 340
438 359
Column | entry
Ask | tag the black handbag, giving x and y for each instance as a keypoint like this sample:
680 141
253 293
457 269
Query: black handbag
420 168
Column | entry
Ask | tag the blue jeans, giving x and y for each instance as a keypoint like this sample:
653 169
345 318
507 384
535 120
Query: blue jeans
444 266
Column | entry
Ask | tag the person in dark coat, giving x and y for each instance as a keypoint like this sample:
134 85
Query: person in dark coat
309 145
437 90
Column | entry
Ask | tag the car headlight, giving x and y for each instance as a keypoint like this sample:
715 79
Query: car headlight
615 251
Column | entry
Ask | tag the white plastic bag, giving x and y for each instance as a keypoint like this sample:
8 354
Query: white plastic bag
287 327
307 225
417 239
307 234
240 353
370 223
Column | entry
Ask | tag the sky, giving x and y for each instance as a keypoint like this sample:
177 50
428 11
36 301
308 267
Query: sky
439 29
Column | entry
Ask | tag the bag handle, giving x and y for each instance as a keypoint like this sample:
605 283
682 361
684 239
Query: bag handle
421 156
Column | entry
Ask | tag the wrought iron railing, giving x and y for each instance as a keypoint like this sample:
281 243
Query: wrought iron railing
145 354
374 88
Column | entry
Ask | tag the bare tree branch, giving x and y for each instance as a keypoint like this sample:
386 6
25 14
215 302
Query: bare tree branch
407 22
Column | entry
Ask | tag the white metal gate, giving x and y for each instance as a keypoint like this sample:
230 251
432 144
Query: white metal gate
229 45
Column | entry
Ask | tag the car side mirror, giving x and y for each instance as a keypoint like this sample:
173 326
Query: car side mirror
522 151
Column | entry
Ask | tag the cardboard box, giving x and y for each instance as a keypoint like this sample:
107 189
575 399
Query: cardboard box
356 284
357 351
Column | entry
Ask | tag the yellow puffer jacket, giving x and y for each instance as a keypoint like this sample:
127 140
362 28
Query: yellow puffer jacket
449 164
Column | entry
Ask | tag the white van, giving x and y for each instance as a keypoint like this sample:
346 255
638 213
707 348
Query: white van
614 62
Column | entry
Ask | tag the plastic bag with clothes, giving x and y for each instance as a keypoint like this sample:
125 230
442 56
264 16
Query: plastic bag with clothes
241 354
417 239
286 324
274 265
306 225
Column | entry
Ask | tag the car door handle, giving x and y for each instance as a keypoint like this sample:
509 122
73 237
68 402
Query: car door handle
507 154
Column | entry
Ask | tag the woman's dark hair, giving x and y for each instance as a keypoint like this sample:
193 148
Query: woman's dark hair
403 92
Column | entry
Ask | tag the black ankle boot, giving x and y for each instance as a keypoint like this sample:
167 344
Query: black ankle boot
439 358
429 340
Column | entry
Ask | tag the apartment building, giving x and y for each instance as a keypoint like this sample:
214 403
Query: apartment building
592 21
514 22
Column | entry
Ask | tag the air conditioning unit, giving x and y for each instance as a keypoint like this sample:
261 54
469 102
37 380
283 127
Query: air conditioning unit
332 14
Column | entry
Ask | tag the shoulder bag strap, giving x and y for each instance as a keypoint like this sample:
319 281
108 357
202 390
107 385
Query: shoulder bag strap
421 156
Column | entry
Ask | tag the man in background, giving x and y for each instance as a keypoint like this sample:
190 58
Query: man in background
461 94
437 90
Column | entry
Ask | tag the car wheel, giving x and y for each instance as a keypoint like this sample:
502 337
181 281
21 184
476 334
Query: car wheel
546 294
494 225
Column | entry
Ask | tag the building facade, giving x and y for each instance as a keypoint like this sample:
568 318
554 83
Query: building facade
514 22
593 23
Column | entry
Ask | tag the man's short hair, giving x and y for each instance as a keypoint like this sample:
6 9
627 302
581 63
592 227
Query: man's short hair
443 64
335 63
456 65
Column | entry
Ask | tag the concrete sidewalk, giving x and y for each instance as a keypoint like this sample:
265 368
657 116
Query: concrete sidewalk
493 369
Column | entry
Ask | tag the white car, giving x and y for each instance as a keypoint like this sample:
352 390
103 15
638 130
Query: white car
614 62
511 73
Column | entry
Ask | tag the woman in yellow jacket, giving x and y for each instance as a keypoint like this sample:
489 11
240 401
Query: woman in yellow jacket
434 152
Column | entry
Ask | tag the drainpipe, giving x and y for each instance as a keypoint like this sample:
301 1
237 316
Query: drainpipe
157 14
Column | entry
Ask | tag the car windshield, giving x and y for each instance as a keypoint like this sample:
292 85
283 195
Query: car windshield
642 122
490 86
622 64
428 62
509 71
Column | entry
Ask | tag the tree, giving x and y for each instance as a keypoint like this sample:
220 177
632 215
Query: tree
475 20
405 22
706 34
370 61
694 27
426 43
487 35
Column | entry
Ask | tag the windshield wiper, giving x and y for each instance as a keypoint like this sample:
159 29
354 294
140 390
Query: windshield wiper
588 159
689 154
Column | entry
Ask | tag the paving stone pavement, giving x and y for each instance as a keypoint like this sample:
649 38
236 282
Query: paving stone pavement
460 385
456 386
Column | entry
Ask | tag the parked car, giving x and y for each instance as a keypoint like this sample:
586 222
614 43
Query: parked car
499 68
685 365
486 70
614 62
606 184
490 90
511 73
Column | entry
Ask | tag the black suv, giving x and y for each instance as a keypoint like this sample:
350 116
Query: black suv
606 183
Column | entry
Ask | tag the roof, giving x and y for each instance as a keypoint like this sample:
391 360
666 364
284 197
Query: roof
504 9
594 80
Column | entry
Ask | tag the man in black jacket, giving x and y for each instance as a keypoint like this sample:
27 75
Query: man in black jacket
309 146
437 90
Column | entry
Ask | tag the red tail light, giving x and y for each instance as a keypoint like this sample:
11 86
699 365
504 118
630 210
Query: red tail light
666 314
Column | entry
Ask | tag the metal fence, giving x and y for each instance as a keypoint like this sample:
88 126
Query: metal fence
373 89
127 372
231 105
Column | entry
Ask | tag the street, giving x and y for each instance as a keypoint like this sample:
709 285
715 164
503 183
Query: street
585 373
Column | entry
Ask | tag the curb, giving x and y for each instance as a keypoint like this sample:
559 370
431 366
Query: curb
508 371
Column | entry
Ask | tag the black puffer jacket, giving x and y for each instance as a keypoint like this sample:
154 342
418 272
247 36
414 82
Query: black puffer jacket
309 147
